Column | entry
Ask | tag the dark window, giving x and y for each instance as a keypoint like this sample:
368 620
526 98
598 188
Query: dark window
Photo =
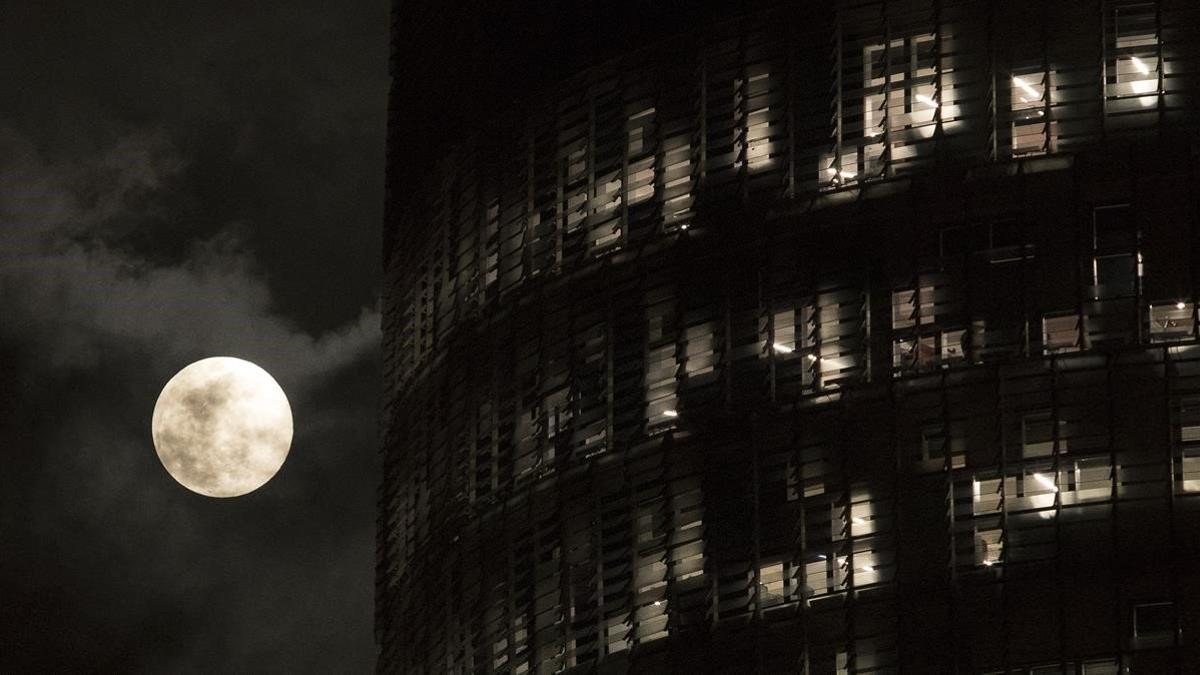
1006 233
1116 275
1006 241
1154 621
1113 229
956 242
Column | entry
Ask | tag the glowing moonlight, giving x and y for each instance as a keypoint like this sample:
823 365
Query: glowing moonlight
222 427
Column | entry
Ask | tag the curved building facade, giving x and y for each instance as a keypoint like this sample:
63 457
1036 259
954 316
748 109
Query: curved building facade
857 337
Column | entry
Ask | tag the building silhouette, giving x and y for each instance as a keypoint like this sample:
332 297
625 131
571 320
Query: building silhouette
851 337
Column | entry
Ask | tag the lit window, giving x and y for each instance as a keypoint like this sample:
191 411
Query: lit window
1172 321
1033 132
791 339
914 354
1188 439
640 151
1190 469
1090 479
1060 333
954 346
915 348
899 99
783 328
989 547
838 318
756 132
907 68
818 575
1189 421
906 313
772 584
985 495
575 190
699 343
1133 67
1039 489
677 180
922 354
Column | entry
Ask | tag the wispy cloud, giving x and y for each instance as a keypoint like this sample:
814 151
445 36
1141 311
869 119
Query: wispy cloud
65 285
107 561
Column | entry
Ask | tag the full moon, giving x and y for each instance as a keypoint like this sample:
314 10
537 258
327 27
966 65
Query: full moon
222 427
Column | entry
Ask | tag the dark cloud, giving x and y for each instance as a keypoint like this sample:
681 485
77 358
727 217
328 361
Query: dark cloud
70 289
185 180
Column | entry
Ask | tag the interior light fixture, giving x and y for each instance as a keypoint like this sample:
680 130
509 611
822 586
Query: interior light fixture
1026 88
670 413
1181 305
1049 484
782 348
927 101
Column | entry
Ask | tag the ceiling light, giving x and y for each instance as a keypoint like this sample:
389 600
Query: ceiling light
670 413
1045 481
782 348
1026 88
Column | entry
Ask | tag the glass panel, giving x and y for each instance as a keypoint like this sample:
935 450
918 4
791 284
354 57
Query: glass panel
1115 275
989 547
954 343
1105 667
1154 620
1031 130
1060 334
1092 479
1172 322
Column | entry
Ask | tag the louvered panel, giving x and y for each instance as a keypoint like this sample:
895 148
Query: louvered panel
746 345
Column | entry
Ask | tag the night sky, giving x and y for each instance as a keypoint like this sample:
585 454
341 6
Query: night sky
181 180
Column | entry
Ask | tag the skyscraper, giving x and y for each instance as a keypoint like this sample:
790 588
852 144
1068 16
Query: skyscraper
844 337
